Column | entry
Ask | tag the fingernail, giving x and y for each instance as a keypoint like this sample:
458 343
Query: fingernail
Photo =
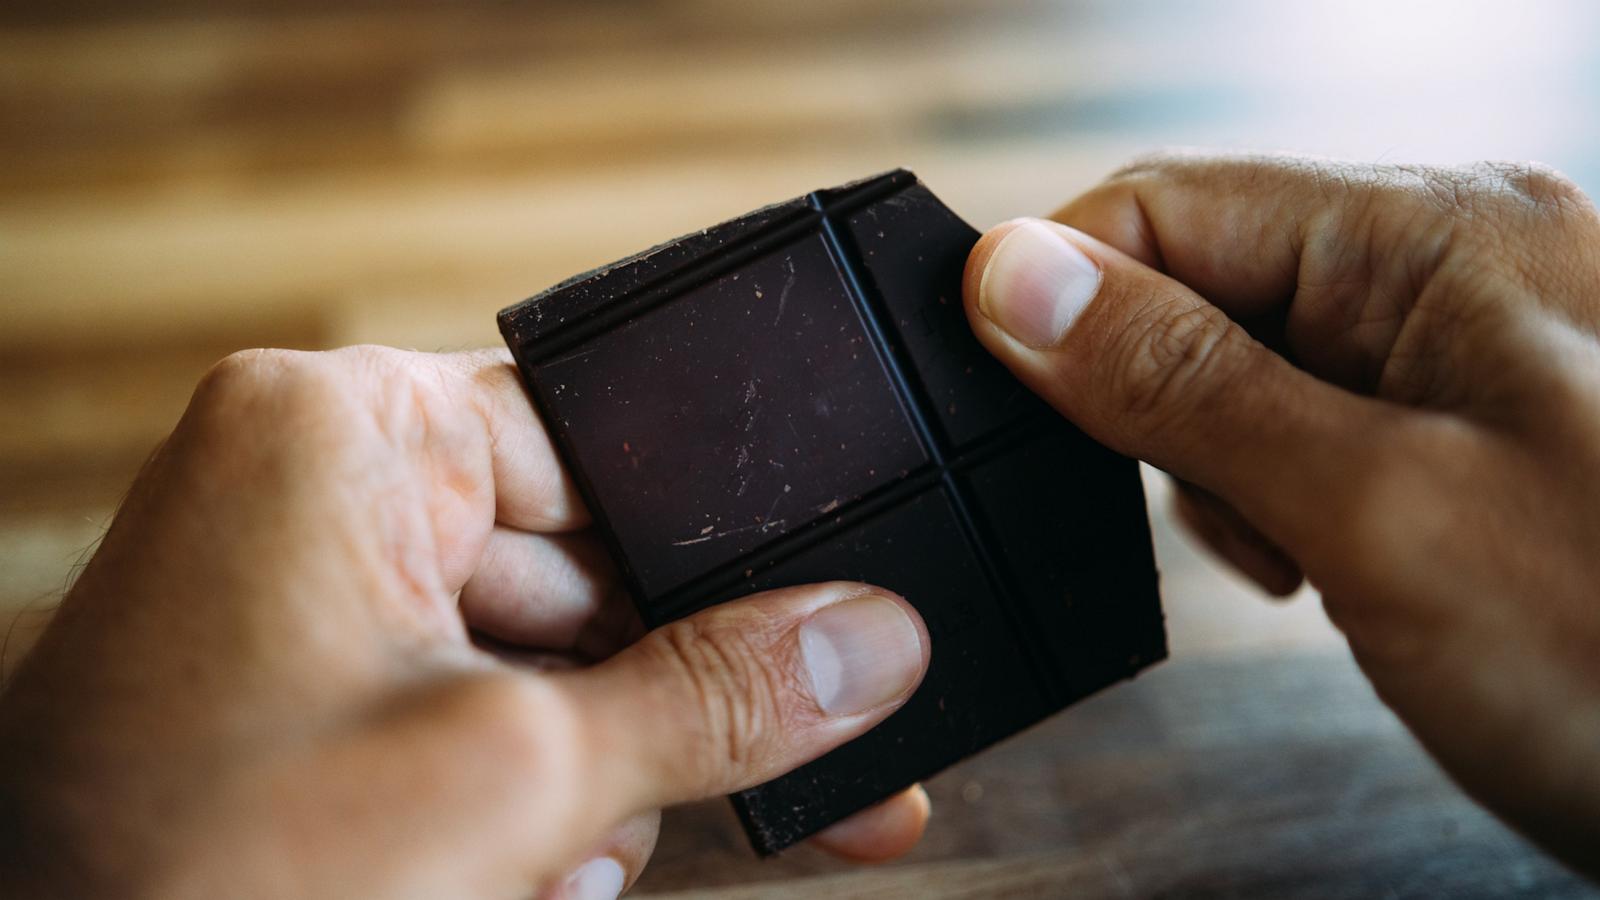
598 879
860 653
1036 283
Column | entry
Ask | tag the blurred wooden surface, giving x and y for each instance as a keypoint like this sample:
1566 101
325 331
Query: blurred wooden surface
178 180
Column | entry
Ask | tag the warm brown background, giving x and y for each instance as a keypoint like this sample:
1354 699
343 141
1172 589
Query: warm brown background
180 179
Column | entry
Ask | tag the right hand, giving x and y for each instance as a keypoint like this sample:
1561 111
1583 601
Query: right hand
1385 378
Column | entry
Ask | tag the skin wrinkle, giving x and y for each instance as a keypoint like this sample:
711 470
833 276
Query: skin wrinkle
408 535
562 510
1532 273
1431 328
1146 233
704 662
1179 348
1399 285
461 467
1467 319
1340 288
410 428
491 422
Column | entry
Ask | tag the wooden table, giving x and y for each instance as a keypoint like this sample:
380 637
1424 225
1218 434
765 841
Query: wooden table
193 178
1267 776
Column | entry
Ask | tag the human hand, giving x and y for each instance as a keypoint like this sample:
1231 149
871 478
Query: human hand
272 679
1387 378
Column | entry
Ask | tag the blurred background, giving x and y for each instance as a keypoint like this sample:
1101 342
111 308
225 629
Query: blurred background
182 179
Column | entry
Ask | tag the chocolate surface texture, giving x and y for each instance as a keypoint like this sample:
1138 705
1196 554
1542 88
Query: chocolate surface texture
795 396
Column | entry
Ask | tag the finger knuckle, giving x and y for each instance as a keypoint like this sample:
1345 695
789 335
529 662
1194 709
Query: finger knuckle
243 371
266 384
733 688
246 398
1506 194
1539 188
1502 220
292 397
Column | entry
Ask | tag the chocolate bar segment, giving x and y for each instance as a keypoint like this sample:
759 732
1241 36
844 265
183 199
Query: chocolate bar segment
677 424
971 691
913 250
795 396
1070 547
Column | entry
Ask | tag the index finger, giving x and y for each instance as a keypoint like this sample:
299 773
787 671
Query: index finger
1230 227
1336 250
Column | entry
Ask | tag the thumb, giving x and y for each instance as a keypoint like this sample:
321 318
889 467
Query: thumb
743 692
1148 367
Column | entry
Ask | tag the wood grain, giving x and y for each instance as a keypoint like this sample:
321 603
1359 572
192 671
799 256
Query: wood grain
1262 776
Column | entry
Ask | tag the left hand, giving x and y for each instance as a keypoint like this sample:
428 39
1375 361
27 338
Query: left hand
347 637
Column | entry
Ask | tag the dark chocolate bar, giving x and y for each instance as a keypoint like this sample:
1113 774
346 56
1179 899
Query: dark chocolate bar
794 396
